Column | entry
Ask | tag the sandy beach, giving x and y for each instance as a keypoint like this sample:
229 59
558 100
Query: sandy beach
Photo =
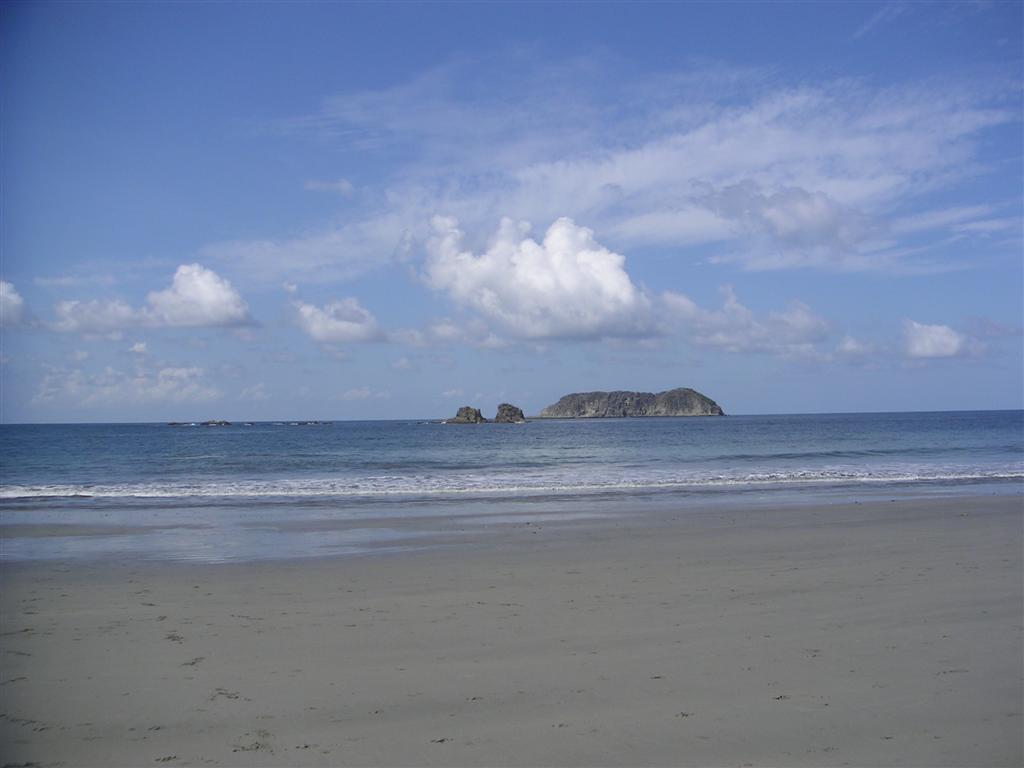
876 634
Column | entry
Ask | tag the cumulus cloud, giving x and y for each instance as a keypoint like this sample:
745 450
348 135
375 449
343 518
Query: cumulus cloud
139 348
566 286
792 332
341 321
197 297
925 341
110 386
13 310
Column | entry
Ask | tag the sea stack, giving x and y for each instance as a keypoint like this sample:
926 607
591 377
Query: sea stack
509 414
468 415
620 404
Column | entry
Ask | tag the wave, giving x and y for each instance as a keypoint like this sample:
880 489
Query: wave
394 485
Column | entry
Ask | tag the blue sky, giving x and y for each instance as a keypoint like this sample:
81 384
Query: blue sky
349 211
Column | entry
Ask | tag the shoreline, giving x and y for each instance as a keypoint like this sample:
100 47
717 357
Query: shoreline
271 528
887 632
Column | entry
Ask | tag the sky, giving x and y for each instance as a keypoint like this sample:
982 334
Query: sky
362 211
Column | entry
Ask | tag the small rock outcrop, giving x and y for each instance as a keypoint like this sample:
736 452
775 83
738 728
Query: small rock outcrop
468 415
603 405
509 414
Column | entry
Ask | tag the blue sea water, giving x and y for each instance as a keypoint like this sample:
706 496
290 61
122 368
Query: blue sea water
236 491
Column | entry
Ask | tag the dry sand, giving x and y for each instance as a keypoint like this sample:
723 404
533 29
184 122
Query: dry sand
873 634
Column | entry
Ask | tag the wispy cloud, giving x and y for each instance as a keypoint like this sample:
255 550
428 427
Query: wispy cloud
829 175
112 387
887 13
792 332
339 186
363 393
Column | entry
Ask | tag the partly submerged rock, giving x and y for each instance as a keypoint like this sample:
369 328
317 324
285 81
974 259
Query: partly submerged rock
468 415
509 414
601 405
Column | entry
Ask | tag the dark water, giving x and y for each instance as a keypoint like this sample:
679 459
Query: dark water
208 477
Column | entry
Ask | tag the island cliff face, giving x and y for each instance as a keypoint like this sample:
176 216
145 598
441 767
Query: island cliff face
602 405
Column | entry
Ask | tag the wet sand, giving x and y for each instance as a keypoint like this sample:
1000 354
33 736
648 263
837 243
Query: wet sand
886 633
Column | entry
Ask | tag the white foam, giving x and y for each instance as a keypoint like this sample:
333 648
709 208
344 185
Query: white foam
553 482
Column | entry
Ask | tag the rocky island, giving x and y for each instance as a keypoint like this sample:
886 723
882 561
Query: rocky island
467 415
619 404
507 414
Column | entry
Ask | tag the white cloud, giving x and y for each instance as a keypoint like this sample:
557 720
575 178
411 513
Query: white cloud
139 348
340 186
403 364
924 341
566 286
452 393
13 310
110 386
792 332
197 297
342 321
95 317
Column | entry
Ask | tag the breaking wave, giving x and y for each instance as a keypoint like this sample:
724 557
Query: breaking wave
405 485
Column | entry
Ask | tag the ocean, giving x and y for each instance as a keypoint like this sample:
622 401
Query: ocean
287 489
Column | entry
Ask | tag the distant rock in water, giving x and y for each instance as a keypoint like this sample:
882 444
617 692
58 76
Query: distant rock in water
468 415
216 423
603 405
509 414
